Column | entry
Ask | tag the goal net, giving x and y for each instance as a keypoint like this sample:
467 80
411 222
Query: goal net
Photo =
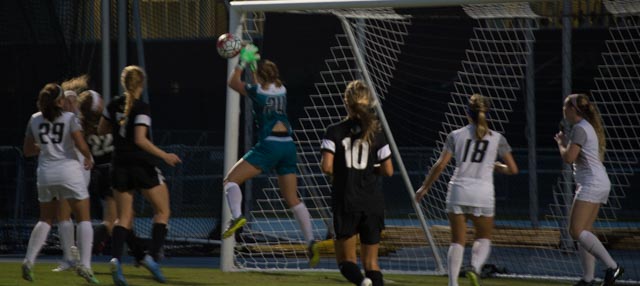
423 64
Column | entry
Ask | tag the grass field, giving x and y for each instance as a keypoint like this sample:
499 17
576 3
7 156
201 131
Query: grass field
10 275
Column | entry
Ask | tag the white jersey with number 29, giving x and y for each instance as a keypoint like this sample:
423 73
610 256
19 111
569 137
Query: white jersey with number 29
472 180
58 162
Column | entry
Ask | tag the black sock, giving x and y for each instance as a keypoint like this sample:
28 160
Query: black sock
119 236
351 271
158 234
375 276
135 245
100 236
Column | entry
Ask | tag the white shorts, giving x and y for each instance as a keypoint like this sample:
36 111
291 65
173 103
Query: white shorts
471 210
593 194
49 193
85 173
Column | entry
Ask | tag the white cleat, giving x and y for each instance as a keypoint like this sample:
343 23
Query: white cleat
64 266
366 282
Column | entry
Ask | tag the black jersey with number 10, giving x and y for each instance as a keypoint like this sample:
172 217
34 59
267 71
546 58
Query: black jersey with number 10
355 184
126 151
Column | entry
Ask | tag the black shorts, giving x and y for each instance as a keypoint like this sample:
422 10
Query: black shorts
135 177
100 185
368 225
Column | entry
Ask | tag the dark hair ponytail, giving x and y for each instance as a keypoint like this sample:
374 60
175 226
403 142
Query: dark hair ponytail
48 101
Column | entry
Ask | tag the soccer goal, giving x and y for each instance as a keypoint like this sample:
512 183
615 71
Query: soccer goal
422 77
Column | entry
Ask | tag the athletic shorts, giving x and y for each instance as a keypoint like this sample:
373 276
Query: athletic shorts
593 194
48 193
100 185
135 177
368 225
471 210
274 152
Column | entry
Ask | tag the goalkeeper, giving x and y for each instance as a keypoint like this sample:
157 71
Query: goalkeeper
275 148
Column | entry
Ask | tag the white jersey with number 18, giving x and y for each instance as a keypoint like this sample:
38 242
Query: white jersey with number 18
472 180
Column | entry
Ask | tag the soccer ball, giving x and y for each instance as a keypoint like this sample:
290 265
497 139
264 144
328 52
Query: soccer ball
228 46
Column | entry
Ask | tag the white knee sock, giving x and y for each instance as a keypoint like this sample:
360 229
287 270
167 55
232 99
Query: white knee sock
592 244
479 253
36 241
85 242
301 213
65 230
234 198
454 257
588 263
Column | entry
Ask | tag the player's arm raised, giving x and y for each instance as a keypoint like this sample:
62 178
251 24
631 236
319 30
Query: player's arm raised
236 83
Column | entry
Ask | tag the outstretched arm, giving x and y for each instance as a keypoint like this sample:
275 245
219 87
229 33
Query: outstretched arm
236 83
141 140
434 174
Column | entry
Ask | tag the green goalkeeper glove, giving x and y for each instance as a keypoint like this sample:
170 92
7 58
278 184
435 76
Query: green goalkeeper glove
249 56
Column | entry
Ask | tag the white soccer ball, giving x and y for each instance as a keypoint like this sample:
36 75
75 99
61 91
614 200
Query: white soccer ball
228 46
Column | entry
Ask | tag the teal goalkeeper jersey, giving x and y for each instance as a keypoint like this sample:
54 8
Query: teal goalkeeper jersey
269 107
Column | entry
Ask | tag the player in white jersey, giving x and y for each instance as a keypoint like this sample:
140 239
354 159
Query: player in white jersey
53 135
471 193
584 148
72 88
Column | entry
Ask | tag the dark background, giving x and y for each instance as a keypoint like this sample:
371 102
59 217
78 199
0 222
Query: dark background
187 80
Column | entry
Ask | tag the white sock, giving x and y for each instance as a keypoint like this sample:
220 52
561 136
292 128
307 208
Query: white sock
85 242
301 213
65 230
36 241
588 263
454 258
234 198
592 244
479 253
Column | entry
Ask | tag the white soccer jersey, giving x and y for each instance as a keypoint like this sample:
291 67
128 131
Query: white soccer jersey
472 180
58 162
588 169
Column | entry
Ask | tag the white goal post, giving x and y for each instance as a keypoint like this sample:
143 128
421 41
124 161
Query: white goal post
233 100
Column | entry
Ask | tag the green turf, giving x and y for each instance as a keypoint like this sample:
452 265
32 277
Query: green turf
10 274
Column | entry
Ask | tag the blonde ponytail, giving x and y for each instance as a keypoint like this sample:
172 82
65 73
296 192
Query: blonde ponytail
589 111
360 103
132 78
477 111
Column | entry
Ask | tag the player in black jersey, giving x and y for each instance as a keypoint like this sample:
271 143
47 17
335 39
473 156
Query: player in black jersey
355 153
90 106
134 167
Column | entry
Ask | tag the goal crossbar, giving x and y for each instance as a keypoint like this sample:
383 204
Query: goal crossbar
286 5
